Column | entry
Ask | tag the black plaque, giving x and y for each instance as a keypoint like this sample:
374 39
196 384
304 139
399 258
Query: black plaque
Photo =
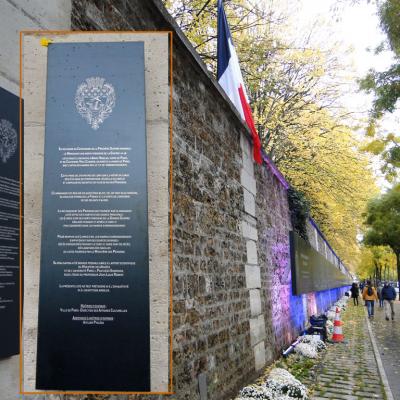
311 271
9 224
94 277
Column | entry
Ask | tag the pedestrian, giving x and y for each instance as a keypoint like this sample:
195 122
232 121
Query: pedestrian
380 287
370 296
355 293
389 295
362 285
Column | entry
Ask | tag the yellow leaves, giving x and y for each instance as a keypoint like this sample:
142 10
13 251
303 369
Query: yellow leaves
392 137
306 56
326 165
318 72
291 87
373 257
371 130
375 147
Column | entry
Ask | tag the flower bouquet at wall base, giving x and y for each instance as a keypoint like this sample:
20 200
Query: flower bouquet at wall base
278 385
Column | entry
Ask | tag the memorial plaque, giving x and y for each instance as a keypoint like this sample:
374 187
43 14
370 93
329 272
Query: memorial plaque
311 271
93 332
9 224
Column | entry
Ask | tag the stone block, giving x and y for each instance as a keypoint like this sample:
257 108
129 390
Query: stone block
249 231
253 276
248 182
259 356
249 202
251 248
245 145
269 356
247 155
257 330
255 302
203 386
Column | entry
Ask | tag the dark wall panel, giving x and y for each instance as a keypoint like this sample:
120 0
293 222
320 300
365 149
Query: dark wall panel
94 284
312 272
9 223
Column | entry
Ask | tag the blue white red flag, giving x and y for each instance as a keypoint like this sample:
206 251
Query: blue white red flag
230 78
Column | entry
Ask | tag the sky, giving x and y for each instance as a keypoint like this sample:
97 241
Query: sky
355 26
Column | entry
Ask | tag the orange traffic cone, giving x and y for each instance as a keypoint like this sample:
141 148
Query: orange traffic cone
337 336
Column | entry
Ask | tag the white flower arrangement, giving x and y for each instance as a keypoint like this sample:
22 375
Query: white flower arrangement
280 385
252 392
306 350
285 385
314 341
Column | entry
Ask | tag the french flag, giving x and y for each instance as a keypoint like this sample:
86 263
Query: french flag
230 78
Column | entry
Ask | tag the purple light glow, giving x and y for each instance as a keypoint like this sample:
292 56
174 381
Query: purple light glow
290 314
285 329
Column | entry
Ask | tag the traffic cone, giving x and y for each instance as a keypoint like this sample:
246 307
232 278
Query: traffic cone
337 336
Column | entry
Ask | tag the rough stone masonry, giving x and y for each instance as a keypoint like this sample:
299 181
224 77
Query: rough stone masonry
232 310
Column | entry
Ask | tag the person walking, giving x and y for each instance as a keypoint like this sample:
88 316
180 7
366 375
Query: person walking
355 293
379 291
389 296
370 296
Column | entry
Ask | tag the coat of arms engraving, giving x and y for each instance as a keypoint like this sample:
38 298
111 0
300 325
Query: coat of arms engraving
8 140
95 100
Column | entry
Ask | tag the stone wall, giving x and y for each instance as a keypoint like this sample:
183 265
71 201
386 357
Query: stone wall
212 336
211 304
274 224
233 310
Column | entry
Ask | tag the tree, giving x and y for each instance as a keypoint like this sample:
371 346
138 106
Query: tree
285 78
387 146
198 19
386 85
335 176
294 89
377 262
383 221
386 88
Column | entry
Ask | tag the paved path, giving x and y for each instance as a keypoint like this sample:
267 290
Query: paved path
387 336
349 370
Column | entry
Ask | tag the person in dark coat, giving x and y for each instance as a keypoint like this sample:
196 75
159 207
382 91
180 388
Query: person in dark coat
388 296
379 291
355 293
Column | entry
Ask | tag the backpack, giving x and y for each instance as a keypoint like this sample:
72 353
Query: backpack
370 292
